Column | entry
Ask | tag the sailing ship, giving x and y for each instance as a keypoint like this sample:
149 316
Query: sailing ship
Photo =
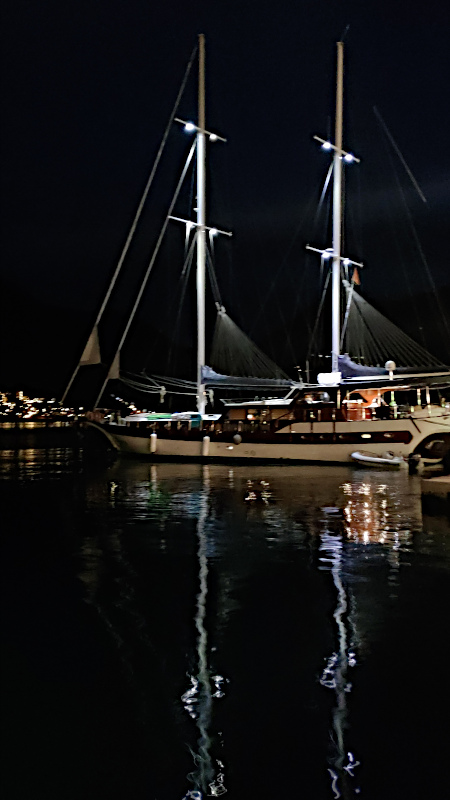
327 421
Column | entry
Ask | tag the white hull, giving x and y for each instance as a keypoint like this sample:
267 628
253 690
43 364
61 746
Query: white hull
326 441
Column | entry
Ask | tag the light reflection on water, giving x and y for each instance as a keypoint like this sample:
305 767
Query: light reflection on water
335 675
208 775
355 531
369 524
37 463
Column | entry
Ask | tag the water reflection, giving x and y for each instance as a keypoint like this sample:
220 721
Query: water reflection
38 463
208 776
369 524
375 516
244 628
335 674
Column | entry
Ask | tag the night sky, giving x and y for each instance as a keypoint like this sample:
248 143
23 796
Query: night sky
87 91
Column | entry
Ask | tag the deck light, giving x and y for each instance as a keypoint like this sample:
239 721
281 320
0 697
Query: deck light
326 145
190 126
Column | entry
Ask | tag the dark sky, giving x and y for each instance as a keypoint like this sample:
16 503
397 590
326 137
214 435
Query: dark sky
87 91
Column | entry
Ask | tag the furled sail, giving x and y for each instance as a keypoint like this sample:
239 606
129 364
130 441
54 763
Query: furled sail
114 370
211 378
350 369
91 353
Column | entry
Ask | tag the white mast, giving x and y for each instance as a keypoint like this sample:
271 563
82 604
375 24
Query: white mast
333 377
337 213
201 251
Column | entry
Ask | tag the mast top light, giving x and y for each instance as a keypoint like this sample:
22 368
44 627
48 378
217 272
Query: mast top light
189 127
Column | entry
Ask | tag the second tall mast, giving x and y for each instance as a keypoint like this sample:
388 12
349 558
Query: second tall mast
337 215
201 244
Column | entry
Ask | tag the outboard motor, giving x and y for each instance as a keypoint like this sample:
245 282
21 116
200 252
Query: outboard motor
413 463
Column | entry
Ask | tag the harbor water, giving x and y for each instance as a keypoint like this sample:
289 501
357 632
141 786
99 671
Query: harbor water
187 631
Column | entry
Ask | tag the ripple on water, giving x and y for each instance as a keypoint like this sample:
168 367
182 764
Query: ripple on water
220 621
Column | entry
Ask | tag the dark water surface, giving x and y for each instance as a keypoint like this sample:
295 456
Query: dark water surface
163 638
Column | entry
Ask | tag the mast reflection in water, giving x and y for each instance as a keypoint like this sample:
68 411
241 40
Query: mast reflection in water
335 674
168 639
198 699
365 519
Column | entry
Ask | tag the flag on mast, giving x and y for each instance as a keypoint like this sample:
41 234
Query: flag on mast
355 277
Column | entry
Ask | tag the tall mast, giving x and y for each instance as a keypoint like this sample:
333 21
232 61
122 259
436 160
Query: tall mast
338 155
201 251
337 214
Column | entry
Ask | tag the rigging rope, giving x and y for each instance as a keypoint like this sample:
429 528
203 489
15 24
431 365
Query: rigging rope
319 310
349 288
152 386
184 277
152 261
142 387
139 208
213 278
234 353
375 339
397 150
299 228
410 220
